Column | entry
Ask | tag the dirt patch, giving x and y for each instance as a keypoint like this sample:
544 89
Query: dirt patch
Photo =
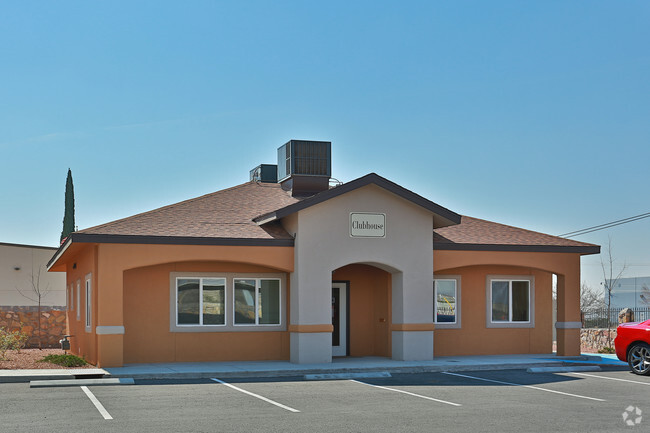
28 359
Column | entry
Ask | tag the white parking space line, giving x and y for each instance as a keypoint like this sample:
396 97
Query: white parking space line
613 378
525 386
98 405
406 392
290 409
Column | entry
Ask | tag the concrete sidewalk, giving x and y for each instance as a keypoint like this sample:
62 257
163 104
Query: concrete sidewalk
243 369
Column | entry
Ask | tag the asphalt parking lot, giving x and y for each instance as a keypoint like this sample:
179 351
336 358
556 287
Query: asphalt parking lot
503 400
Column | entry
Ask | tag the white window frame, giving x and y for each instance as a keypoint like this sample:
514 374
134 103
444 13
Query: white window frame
78 300
531 301
225 302
457 322
258 286
71 297
89 304
230 305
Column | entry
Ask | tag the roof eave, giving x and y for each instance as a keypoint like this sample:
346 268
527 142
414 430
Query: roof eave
59 252
177 240
574 249
443 216
264 219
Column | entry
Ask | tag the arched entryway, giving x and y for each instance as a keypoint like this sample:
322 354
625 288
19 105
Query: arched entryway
361 310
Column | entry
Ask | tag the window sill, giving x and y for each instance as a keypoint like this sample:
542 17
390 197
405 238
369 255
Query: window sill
445 325
228 328
510 325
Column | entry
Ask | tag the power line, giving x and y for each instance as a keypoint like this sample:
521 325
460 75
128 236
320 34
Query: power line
605 226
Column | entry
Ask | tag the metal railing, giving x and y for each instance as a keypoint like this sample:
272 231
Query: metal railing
598 318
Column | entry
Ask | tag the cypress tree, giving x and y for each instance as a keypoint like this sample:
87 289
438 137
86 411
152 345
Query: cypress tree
68 216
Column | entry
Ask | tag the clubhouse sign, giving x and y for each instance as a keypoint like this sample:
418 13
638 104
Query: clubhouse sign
367 225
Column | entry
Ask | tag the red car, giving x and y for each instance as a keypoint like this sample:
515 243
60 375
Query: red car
633 346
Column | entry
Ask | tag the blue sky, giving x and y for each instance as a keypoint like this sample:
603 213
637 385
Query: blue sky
533 114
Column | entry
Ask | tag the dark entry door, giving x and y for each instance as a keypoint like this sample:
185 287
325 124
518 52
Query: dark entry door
339 319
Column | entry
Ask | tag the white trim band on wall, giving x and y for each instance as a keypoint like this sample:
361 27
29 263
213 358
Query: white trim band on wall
568 325
109 330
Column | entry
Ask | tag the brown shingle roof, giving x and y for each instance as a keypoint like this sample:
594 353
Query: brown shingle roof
227 217
477 234
227 214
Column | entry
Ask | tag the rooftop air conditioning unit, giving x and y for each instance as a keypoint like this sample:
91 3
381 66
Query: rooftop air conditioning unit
265 173
305 158
305 167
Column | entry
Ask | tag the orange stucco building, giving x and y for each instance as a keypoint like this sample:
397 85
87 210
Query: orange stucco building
287 266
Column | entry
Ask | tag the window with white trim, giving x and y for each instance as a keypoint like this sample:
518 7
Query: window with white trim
89 305
510 300
444 301
78 300
71 297
200 301
257 301
227 302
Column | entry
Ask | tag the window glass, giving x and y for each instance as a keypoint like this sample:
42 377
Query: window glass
244 302
520 301
269 302
88 303
188 301
445 301
214 301
78 300
205 301
500 301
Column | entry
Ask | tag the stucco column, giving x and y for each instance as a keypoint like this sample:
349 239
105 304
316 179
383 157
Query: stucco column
109 327
310 326
412 315
568 312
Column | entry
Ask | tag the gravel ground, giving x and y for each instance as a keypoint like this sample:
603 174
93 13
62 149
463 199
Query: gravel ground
28 359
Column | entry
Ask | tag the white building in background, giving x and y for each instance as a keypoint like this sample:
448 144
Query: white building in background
633 292
19 264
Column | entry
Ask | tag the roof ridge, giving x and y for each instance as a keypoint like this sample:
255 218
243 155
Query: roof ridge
167 206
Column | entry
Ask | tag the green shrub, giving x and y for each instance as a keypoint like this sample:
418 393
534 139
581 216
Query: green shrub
607 350
64 360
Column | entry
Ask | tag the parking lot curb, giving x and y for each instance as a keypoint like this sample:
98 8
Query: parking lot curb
24 376
333 376
80 382
569 369
303 372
